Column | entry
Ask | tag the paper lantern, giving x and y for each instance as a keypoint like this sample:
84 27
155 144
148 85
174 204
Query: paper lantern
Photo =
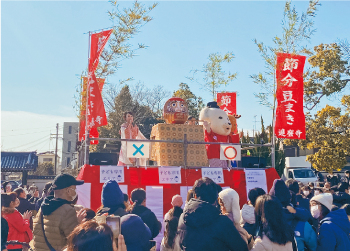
175 111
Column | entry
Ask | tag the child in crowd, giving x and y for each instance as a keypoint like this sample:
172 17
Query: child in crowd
247 212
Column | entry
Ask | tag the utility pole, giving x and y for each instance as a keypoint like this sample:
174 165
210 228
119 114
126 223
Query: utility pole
254 125
56 147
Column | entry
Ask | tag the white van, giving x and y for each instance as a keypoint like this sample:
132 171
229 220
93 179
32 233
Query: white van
299 169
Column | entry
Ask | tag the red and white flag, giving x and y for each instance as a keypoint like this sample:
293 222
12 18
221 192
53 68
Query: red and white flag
95 110
227 102
93 132
98 42
290 118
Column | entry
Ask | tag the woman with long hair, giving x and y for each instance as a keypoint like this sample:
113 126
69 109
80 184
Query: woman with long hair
138 197
274 233
129 130
168 241
171 220
19 226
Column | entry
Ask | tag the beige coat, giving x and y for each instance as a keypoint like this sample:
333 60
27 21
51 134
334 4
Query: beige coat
58 225
266 245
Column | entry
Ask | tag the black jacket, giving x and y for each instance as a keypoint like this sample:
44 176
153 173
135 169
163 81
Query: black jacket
25 205
341 198
303 202
201 227
149 218
4 233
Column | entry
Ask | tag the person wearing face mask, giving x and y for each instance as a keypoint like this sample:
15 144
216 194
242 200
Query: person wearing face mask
334 230
317 191
58 215
306 192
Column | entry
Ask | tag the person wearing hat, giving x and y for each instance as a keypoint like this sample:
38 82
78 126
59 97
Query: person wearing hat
112 199
229 205
136 233
58 215
334 230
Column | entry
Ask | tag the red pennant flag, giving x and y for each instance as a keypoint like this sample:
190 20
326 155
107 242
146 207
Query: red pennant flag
290 118
98 42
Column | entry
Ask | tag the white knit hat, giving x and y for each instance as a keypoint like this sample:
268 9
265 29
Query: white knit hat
325 199
231 202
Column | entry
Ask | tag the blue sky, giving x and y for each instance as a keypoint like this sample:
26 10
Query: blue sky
44 50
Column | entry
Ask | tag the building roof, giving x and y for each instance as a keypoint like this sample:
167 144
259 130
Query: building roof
18 161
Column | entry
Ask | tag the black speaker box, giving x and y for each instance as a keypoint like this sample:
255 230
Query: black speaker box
103 159
253 162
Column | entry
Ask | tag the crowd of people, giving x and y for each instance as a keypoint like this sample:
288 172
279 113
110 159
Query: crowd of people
290 217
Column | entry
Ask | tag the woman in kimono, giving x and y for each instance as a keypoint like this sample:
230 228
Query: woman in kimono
129 130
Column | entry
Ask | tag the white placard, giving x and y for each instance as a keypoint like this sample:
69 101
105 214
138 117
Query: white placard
230 152
169 175
84 195
255 178
154 201
112 173
216 174
137 149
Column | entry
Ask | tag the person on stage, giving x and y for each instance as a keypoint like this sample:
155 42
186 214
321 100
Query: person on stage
129 130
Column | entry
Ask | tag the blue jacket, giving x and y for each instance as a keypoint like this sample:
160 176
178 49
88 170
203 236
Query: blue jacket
334 232
305 236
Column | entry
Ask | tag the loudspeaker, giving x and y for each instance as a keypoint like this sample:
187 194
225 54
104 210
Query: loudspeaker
103 159
253 162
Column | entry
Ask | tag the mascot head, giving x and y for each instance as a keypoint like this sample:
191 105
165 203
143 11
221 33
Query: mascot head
218 119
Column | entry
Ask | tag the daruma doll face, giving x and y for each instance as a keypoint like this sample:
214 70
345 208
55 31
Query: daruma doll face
175 111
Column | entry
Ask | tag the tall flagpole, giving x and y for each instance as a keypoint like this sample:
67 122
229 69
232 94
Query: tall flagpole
86 108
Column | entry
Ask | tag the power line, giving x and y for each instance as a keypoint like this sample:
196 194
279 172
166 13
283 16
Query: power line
44 141
21 129
24 134
29 143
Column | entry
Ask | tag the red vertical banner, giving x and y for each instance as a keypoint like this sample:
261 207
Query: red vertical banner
93 131
98 42
227 102
95 110
290 118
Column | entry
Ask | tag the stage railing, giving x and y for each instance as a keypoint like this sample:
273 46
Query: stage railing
185 143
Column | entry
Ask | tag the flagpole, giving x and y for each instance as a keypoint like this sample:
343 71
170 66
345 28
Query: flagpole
86 108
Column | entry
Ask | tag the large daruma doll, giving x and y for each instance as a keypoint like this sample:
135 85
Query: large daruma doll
175 111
